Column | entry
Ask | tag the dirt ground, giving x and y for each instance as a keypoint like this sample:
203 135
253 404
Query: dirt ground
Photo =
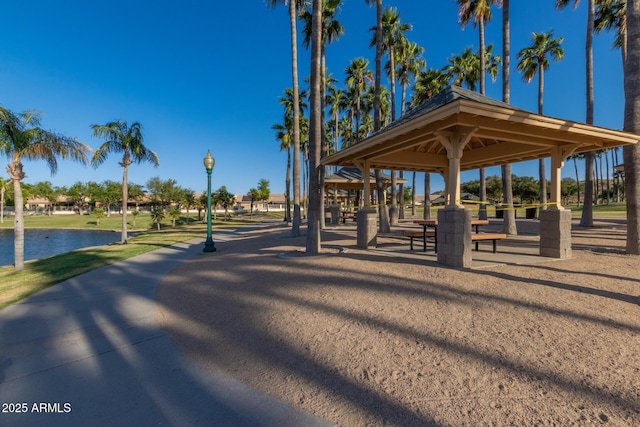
377 338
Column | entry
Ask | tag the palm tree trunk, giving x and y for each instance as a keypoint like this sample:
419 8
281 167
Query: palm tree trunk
315 135
427 196
575 165
541 169
413 195
482 212
382 208
293 16
606 159
125 197
631 153
586 220
18 225
287 215
509 216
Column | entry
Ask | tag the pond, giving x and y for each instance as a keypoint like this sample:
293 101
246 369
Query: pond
46 242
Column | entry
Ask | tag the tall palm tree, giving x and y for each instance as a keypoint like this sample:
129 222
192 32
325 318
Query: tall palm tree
294 5
509 216
357 75
586 220
462 69
128 140
335 99
3 189
478 11
21 137
315 134
392 38
535 60
283 134
427 84
410 63
331 30
631 154
377 120
612 14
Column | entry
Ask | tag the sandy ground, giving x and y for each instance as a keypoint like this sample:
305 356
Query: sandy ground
363 338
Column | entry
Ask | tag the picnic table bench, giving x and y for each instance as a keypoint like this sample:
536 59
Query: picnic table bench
413 234
479 237
351 214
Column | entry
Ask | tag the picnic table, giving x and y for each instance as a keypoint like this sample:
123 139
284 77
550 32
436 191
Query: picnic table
433 223
349 214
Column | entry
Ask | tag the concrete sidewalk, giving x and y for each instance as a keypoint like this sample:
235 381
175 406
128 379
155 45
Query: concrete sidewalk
89 351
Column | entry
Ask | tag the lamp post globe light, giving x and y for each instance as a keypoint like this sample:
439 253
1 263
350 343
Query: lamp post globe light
209 163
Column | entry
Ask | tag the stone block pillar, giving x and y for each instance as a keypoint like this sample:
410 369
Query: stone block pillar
367 227
555 233
335 214
454 237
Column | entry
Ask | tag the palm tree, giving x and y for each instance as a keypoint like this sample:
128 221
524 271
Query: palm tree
509 221
3 188
462 69
357 75
586 220
315 211
128 140
410 63
478 11
427 84
330 30
377 122
335 99
611 14
631 154
534 59
21 137
392 38
294 5
284 136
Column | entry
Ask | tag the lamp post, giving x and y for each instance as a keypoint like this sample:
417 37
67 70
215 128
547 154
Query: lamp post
209 162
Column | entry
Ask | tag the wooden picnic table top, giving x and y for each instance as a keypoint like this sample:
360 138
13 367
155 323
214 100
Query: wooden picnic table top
434 222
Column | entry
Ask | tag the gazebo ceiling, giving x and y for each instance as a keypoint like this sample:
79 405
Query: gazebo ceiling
500 134
348 178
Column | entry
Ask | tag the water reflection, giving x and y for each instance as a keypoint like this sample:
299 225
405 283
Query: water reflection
46 242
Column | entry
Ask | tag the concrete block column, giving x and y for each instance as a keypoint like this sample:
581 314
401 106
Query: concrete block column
367 233
335 214
454 237
555 233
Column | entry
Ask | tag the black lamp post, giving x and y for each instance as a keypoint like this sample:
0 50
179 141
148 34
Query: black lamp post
209 162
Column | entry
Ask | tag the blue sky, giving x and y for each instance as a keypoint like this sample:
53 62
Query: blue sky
205 75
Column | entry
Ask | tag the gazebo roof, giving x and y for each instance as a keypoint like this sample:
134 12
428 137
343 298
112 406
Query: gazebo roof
349 178
500 134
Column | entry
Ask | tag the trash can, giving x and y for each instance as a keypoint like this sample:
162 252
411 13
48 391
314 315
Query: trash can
499 212
531 213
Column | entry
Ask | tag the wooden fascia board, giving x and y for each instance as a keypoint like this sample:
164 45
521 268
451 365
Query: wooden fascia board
560 130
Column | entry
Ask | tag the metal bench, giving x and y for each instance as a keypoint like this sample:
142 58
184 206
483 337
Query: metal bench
478 237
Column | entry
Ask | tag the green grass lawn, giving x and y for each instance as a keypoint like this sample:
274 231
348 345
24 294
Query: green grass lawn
41 274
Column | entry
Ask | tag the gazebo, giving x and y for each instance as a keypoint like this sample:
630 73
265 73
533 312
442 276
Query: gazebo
350 178
459 130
